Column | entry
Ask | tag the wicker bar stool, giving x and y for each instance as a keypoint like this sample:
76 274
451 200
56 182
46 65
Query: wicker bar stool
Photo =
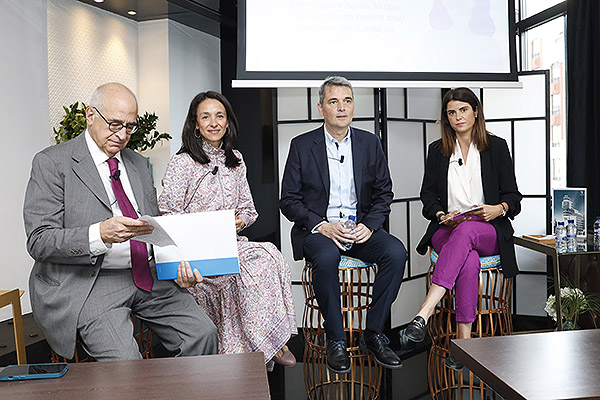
364 379
493 318
143 336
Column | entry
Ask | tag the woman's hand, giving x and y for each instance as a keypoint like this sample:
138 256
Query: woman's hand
449 221
489 212
239 224
185 277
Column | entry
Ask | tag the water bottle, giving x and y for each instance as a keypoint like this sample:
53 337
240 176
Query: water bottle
349 223
597 234
571 236
561 237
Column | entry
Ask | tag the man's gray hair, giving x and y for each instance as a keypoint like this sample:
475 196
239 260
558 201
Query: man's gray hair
333 81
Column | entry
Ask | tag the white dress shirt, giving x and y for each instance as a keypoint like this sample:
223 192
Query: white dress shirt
342 192
116 255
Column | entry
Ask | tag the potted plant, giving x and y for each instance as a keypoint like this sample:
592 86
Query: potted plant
73 123
573 303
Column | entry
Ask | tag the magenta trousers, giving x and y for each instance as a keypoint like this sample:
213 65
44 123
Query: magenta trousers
458 263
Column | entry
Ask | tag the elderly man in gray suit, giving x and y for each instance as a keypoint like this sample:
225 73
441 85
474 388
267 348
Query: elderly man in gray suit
81 208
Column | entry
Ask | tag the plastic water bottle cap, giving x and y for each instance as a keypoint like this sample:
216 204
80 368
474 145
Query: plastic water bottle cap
561 223
598 218
351 217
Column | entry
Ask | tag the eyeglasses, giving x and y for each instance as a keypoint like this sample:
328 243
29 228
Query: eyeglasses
115 126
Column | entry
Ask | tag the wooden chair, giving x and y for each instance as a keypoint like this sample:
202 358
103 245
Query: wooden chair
13 297
364 379
493 318
141 333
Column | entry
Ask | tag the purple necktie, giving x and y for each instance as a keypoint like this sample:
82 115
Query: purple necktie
139 252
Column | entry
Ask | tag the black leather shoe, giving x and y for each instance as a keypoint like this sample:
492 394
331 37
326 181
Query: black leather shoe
417 329
453 363
377 344
338 360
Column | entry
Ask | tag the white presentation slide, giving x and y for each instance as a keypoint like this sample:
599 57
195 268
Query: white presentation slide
432 36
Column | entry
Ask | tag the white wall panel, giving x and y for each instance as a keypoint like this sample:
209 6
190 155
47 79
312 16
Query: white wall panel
366 125
503 130
292 104
530 156
395 103
405 157
398 226
418 226
517 103
433 132
424 103
409 300
532 219
531 294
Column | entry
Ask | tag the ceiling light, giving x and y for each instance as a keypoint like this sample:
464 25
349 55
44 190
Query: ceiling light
131 12
99 1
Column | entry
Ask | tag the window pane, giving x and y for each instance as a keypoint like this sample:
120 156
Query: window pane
544 48
531 7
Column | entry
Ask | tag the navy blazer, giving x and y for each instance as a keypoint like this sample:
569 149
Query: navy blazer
499 185
305 185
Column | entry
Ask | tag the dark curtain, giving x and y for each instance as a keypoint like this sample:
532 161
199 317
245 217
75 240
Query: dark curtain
583 74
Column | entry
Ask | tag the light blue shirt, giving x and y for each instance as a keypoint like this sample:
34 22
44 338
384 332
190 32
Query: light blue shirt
342 192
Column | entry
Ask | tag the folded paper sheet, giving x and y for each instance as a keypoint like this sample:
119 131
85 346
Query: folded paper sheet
207 240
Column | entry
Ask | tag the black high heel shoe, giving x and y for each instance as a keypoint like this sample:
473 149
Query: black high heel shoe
417 329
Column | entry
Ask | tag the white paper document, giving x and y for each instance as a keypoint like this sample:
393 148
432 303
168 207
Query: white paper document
207 240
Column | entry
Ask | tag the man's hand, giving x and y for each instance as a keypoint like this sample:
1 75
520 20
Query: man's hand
336 232
187 278
362 233
121 229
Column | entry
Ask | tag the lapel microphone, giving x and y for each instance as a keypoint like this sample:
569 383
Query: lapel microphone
215 170
116 175
459 161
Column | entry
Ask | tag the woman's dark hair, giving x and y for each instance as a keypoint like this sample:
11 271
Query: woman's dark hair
479 133
193 145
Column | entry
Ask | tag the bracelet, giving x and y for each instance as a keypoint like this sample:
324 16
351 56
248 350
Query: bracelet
503 210
439 216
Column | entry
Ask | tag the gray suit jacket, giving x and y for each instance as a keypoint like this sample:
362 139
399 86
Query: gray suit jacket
64 197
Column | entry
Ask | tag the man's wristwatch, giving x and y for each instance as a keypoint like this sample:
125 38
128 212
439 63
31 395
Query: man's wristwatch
503 209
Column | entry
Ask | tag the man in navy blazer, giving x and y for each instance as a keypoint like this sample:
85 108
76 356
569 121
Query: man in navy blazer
331 173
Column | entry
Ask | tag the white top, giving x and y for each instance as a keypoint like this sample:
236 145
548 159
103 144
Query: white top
465 188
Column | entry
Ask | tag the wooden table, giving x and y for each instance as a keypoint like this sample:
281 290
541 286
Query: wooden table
552 365
232 376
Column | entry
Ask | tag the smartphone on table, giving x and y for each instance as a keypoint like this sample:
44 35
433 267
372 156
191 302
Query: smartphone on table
33 371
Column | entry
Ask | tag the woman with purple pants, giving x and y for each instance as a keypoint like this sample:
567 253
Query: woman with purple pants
467 167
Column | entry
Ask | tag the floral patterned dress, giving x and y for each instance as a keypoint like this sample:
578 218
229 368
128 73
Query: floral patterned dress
253 310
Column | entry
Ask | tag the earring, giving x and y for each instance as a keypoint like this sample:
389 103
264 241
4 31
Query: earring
197 134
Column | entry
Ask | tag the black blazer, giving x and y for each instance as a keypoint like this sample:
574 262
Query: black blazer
499 184
305 184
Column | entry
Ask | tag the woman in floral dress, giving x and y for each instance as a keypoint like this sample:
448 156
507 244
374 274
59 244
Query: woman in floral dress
253 310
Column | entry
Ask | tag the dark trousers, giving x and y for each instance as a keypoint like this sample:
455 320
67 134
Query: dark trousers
383 249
